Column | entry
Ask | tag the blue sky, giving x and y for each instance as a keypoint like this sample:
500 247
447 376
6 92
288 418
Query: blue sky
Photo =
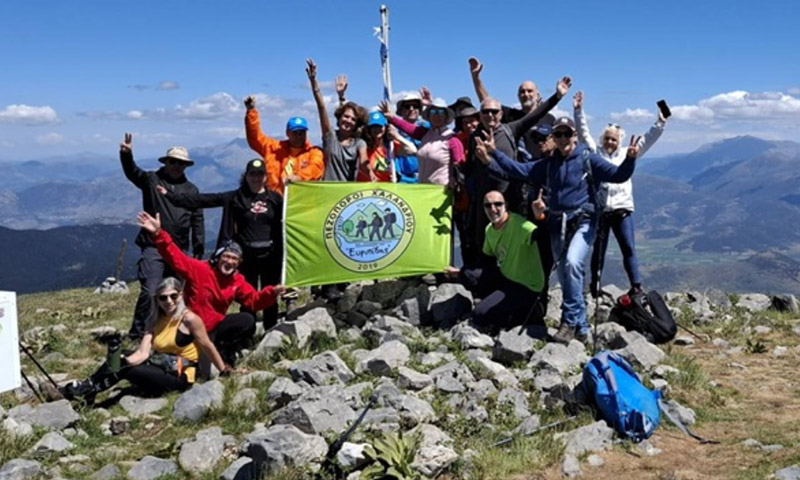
77 75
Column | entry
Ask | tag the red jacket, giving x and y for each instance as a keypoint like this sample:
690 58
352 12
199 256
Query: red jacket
207 291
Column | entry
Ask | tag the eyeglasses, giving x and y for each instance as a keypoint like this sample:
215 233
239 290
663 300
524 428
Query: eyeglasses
493 204
171 296
563 134
438 111
490 111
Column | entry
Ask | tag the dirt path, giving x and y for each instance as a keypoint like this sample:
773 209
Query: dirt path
759 398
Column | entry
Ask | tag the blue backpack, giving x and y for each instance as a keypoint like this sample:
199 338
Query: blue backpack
624 403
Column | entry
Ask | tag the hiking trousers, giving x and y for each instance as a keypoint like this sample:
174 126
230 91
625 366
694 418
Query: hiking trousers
570 266
621 223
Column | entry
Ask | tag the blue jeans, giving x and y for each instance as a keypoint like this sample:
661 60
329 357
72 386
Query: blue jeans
570 270
621 223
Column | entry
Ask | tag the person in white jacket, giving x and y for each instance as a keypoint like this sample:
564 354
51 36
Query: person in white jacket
615 199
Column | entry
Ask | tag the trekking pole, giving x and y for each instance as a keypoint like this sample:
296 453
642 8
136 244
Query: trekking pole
545 427
38 365
328 464
30 385
696 335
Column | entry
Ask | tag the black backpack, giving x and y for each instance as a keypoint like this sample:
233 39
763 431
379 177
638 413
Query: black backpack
647 314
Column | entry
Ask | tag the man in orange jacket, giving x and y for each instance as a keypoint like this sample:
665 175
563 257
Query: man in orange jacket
291 160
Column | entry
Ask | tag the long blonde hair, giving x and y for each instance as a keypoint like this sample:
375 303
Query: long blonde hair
167 284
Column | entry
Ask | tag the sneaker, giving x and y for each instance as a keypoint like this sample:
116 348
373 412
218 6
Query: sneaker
79 390
564 334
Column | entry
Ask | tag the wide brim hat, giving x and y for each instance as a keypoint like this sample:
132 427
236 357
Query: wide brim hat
466 112
461 104
409 97
439 104
178 153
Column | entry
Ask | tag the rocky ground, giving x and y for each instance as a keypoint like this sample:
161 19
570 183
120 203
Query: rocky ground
442 395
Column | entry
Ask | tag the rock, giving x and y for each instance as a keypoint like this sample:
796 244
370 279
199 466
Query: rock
648 449
51 442
150 468
717 298
253 378
410 308
751 443
469 337
385 418
431 461
594 437
17 429
384 359
528 426
435 358
571 467
384 292
20 469
785 303
270 344
316 416
414 410
282 391
664 371
412 380
772 448
314 321
281 446
595 460
245 400
368 308
495 371
685 415
202 454
700 307
721 343
482 389
195 403
608 334
450 302
431 435
139 407
322 369
452 377
547 380
754 302
56 415
642 354
119 425
242 468
761 330
351 455
349 297
560 358
684 340
788 473
109 472
516 345
780 351
518 400
356 319
660 384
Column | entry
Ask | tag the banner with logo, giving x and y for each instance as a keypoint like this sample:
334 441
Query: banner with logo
10 377
351 231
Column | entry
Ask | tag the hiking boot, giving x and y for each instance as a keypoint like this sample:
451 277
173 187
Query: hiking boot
50 392
79 390
583 336
564 334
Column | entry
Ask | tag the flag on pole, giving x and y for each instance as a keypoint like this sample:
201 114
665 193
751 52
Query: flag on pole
351 231
382 33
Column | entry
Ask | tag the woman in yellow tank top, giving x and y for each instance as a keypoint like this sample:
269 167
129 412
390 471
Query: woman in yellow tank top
166 359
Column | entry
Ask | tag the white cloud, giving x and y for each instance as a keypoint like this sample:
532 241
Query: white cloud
168 85
558 113
28 115
135 115
794 91
215 106
693 114
50 139
636 115
742 105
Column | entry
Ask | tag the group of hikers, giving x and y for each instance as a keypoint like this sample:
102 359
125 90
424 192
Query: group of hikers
531 194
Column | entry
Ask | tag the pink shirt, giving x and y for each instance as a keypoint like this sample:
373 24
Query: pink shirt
440 149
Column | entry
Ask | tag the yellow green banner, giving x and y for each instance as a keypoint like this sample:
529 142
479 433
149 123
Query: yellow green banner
351 231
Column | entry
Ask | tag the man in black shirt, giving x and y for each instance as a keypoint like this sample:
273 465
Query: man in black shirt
178 222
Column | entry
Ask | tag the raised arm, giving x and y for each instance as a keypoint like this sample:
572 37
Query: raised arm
581 126
604 171
252 128
501 165
324 121
413 131
475 67
652 135
519 127
197 200
341 88
182 264
136 175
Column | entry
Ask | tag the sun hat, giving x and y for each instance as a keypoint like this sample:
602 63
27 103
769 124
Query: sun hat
439 104
177 153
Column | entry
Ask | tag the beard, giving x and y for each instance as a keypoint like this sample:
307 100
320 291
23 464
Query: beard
227 269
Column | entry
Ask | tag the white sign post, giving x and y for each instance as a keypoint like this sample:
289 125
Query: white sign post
10 377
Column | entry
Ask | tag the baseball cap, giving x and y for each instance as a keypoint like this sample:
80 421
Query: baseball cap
296 123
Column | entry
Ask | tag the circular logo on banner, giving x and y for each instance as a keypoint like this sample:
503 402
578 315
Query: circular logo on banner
368 230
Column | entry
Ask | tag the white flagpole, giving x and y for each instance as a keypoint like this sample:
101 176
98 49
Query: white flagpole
387 77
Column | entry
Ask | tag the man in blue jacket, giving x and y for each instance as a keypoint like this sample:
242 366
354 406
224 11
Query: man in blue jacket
570 176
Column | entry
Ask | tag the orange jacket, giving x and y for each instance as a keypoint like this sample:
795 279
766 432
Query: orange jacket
282 160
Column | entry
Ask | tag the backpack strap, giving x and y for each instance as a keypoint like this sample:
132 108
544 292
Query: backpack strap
601 361
589 176
683 428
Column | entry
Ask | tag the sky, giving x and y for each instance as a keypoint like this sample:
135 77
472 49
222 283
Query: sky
77 75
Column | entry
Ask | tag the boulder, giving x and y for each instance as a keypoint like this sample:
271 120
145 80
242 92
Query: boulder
431 461
560 358
314 321
413 380
150 468
717 298
195 403
20 469
450 302
51 442
322 369
788 473
351 455
785 303
368 308
241 469
571 467
245 400
384 359
494 371
517 399
16 429
316 416
517 344
685 415
528 426
608 334
642 354
139 407
270 344
414 410
431 435
56 415
384 292
452 377
282 391
282 446
754 302
469 337
109 472
202 454
594 437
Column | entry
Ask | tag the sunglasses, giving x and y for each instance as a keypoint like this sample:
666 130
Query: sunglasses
562 134
493 204
172 161
171 296
438 111
411 105
490 111
614 125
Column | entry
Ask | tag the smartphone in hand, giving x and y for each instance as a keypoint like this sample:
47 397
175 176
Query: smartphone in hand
662 105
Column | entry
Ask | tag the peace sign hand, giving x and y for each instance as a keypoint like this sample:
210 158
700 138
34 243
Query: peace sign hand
633 148
127 143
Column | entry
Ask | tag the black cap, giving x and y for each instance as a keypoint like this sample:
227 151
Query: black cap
256 165
563 122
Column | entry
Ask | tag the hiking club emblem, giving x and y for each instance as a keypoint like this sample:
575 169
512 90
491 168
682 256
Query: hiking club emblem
368 230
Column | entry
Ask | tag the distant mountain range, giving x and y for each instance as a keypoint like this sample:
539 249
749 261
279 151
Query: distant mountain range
730 210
